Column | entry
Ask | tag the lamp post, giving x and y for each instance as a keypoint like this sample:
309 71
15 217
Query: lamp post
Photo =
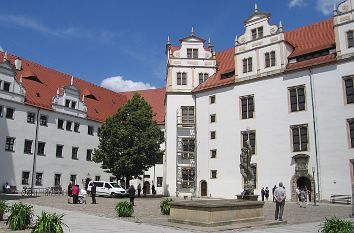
314 186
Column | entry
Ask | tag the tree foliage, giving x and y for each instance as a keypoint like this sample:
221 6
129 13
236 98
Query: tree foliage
129 141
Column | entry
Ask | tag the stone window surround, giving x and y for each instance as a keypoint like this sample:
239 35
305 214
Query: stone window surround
297 98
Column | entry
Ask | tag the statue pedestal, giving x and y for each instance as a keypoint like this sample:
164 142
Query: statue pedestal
247 197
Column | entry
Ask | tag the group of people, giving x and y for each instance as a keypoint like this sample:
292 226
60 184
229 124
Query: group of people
265 193
303 196
74 193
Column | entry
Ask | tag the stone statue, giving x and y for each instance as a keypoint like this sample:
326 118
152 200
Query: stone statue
246 170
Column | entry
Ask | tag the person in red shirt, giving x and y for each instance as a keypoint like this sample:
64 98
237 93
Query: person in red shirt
75 193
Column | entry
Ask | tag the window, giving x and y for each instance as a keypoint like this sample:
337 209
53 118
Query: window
257 33
213 174
30 117
192 53
89 155
39 179
41 148
254 33
1 108
203 77
76 127
297 98
10 113
25 178
251 136
9 145
213 154
349 90
212 99
57 180
112 179
28 147
159 182
73 179
299 137
187 114
43 120
97 178
68 125
73 104
188 146
351 132
6 86
181 78
90 130
106 185
74 154
350 39
60 124
59 152
212 118
247 65
188 177
269 59
247 107
67 103
212 135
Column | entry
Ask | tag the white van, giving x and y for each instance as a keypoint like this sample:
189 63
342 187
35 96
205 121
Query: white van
104 188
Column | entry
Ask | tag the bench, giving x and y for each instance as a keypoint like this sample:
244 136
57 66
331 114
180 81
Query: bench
341 199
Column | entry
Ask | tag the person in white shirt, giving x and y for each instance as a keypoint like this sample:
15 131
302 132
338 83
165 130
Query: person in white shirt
280 196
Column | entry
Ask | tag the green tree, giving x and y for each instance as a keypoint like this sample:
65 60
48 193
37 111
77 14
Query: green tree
129 141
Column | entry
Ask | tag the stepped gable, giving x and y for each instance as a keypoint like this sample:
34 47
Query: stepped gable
156 99
40 93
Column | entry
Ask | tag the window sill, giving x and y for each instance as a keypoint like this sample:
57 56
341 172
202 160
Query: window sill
59 157
9 150
75 159
28 153
44 125
30 123
41 154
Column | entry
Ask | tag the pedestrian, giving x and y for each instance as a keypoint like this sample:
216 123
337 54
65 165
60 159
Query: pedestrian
139 189
302 198
75 193
153 189
93 193
297 190
280 196
307 195
273 190
266 193
70 190
262 193
131 194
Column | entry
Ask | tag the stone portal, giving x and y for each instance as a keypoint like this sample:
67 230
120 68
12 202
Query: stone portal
302 178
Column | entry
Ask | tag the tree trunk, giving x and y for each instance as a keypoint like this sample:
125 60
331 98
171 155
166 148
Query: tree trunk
127 179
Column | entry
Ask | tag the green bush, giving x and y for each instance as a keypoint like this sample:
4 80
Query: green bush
3 209
49 223
165 206
124 209
20 216
336 225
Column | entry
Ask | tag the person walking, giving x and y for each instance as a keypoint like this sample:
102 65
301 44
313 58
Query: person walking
153 189
93 193
280 196
139 189
75 194
297 190
131 194
266 193
262 193
273 190
70 190
302 198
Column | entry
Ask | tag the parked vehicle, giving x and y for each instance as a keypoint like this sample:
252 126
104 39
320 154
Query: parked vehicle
104 188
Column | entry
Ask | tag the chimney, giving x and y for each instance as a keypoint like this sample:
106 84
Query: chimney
18 64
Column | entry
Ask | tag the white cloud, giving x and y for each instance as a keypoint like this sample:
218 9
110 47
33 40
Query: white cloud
325 6
297 3
118 84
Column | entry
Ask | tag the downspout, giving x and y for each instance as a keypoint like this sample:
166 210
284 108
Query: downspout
315 133
35 151
195 147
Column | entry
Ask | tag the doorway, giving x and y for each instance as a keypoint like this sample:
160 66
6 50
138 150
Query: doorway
203 188
146 188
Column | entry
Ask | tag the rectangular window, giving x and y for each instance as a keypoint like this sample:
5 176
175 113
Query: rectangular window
297 98
67 103
1 108
203 77
30 117
188 146
212 99
350 39
260 32
68 125
59 151
251 136
247 65
213 174
272 58
43 120
39 178
25 178
254 33
10 113
244 65
247 107
57 180
76 127
10 144
90 130
73 104
188 175
269 59
349 90
249 62
159 181
257 33
89 155
351 132
73 179
299 138
60 124
213 154
41 148
28 147
97 178
187 114
212 135
192 53
184 78
6 86
74 153
212 118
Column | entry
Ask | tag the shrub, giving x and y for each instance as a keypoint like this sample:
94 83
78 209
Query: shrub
124 209
336 225
3 209
20 216
165 206
46 223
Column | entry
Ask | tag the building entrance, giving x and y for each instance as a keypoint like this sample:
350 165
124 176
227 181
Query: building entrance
304 183
146 188
203 188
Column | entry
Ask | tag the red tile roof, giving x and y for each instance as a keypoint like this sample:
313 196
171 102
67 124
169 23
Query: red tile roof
311 62
106 104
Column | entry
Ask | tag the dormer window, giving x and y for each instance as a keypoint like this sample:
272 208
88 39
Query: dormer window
203 77
247 65
73 104
269 59
70 104
6 86
192 53
181 78
67 103
350 38
257 33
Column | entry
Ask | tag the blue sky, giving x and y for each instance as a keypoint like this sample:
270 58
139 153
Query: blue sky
121 44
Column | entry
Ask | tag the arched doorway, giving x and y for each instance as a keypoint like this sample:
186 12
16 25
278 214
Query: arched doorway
203 188
302 178
146 188
305 184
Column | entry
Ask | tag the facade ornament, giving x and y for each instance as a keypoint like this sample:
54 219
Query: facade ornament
192 33
21 80
255 8
334 9
246 170
236 40
72 80
168 40
280 26
5 56
210 45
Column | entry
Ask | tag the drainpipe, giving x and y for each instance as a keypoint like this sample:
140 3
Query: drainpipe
35 151
195 147
315 133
